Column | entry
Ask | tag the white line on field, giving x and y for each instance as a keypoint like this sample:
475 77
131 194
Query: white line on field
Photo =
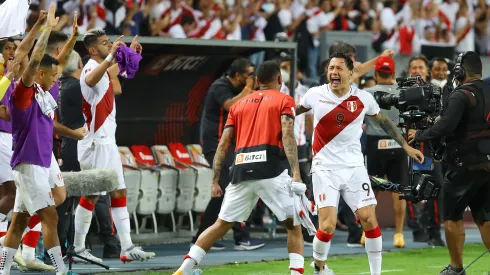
383 271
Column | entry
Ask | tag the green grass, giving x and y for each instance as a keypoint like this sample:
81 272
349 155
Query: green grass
428 261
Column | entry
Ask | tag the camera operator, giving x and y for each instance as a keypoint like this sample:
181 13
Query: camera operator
419 66
384 156
465 125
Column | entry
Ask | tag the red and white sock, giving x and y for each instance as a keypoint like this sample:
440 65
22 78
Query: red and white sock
31 238
83 218
120 215
192 259
321 245
374 247
296 264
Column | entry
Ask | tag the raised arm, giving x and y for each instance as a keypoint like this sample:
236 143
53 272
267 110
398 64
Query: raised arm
64 55
96 75
290 146
40 49
365 67
26 45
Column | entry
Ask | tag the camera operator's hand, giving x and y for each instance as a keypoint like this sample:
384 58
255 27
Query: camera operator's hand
411 135
415 154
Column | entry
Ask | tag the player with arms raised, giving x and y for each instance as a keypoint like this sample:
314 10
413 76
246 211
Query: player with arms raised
99 85
338 164
36 171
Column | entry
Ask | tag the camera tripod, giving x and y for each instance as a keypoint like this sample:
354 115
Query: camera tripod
71 234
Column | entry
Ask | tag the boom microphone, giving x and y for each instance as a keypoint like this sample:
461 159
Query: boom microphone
90 181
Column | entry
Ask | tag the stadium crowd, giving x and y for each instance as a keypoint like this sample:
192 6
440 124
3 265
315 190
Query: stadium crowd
402 25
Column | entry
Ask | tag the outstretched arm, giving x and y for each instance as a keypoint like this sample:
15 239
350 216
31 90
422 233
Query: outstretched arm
392 131
219 158
290 146
301 109
64 55
40 49
96 75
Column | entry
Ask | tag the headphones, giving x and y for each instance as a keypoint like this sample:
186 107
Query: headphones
459 72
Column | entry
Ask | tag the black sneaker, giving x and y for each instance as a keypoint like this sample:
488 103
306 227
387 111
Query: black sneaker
436 241
449 270
420 237
248 245
216 245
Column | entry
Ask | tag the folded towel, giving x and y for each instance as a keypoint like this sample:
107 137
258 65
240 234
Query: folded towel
128 61
45 101
302 206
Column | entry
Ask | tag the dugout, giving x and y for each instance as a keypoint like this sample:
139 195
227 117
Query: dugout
163 103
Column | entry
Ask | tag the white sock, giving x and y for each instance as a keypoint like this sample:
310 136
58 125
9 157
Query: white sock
374 247
296 264
193 258
120 215
29 243
7 260
321 245
57 259
83 218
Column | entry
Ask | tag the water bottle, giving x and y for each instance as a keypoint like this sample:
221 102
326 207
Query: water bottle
40 249
196 272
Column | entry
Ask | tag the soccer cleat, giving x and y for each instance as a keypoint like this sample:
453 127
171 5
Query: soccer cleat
398 240
86 254
36 265
324 271
450 271
135 253
18 258
179 272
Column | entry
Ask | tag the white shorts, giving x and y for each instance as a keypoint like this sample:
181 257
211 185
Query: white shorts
34 184
102 156
352 183
241 198
5 157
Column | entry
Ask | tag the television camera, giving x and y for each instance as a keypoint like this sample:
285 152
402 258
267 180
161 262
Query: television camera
419 104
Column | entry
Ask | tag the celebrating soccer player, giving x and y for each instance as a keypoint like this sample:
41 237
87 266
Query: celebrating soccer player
338 164
99 84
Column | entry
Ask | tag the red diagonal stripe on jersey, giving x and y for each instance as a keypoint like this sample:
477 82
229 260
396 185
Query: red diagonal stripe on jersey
333 123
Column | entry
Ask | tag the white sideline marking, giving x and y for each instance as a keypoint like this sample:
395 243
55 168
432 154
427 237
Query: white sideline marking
382 271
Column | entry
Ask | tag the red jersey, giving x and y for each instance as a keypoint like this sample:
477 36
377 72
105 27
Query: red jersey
256 120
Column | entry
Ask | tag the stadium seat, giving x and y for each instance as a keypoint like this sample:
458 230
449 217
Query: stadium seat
204 177
186 182
149 184
168 182
132 178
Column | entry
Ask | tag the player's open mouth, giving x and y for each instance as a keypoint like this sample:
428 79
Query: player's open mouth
335 80
11 57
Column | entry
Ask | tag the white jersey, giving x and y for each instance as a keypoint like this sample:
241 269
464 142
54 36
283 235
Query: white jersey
338 126
99 106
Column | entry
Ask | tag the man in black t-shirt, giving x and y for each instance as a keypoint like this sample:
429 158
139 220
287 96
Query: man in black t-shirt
238 82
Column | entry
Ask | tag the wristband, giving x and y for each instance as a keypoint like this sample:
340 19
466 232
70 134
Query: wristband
109 58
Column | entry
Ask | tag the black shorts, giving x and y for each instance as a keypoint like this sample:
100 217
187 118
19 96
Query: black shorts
464 188
389 163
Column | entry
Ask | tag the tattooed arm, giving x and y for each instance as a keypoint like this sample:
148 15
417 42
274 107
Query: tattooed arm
301 109
219 158
392 131
290 146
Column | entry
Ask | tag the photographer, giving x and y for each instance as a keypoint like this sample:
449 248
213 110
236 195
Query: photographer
384 156
467 181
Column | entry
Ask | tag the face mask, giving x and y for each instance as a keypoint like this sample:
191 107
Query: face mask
439 83
285 76
268 7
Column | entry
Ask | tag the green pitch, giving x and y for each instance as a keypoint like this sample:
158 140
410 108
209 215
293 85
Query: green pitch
428 261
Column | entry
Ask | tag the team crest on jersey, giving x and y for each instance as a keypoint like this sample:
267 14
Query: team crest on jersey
322 197
351 106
